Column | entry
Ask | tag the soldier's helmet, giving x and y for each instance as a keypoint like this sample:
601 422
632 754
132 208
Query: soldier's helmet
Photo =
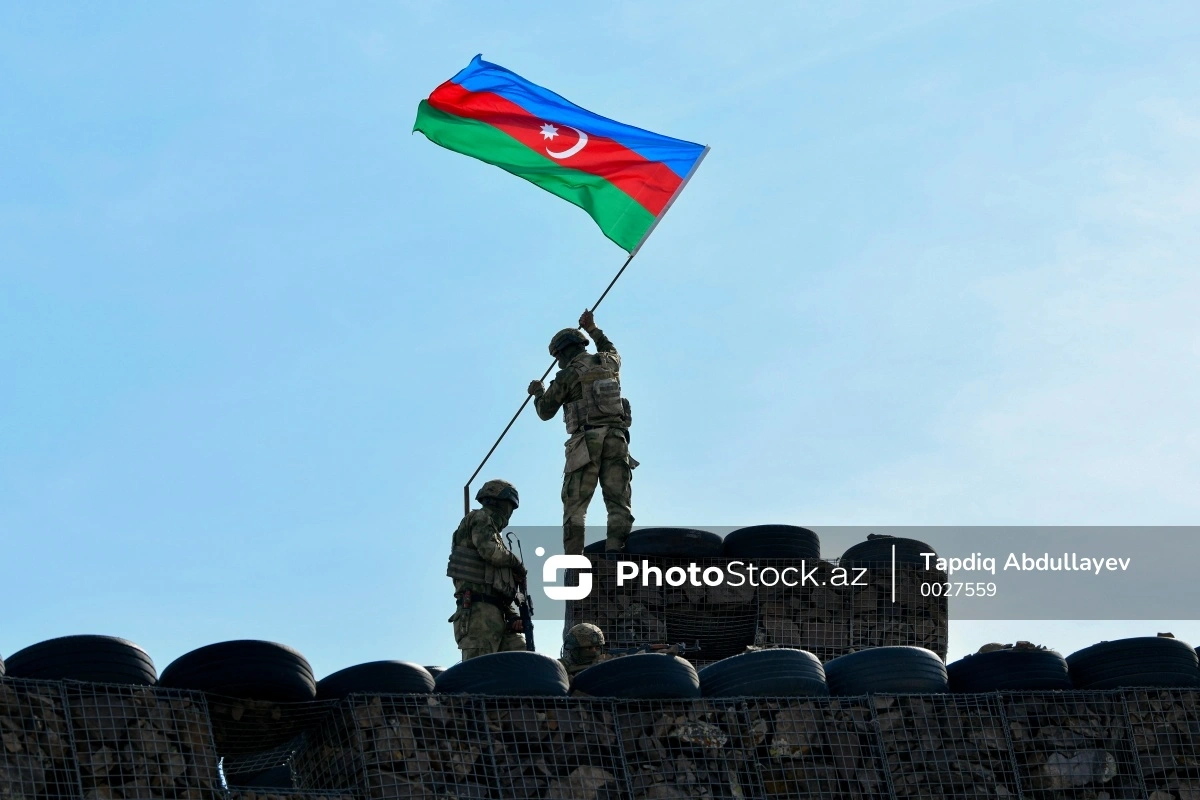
585 634
498 490
567 337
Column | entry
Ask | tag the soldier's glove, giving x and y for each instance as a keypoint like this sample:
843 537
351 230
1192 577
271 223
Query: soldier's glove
536 389
586 321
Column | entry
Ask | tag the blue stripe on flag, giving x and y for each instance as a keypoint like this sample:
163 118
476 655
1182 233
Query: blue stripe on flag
483 76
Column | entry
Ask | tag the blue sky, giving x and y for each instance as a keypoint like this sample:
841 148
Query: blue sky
939 268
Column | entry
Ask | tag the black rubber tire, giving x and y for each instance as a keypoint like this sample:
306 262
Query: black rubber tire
376 677
877 550
780 672
773 541
271 778
435 671
643 676
1140 661
99 659
247 669
902 669
513 672
1011 671
670 542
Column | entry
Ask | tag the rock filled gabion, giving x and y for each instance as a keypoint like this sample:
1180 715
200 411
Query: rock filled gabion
1073 745
554 749
37 759
1165 725
916 618
824 747
96 742
629 615
812 618
139 742
826 614
945 746
680 750
417 747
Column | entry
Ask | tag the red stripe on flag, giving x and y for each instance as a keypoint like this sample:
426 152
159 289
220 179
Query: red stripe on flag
650 183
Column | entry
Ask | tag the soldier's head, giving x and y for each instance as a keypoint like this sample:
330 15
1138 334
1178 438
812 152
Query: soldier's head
500 496
584 643
566 344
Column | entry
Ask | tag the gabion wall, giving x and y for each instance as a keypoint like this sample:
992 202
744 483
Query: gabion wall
75 740
827 620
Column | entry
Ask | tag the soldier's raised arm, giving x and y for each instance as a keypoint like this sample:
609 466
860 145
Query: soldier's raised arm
603 343
547 400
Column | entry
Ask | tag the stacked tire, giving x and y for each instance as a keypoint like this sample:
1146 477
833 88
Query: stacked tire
511 673
97 659
876 551
1151 661
772 541
779 672
251 685
899 670
1009 670
642 676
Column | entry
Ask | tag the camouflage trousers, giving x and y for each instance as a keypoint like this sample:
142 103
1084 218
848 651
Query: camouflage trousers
481 629
599 456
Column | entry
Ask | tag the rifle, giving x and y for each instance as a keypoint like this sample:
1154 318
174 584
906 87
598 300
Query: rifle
524 602
678 649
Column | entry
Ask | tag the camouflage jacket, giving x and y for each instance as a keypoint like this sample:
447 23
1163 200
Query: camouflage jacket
566 387
573 668
480 529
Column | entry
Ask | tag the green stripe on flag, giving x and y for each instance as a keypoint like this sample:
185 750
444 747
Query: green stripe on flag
619 216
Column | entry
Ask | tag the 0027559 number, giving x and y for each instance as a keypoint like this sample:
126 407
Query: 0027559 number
956 589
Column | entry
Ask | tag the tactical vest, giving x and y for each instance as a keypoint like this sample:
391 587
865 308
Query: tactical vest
602 403
465 564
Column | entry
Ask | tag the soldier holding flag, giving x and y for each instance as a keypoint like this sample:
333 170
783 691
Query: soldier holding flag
588 389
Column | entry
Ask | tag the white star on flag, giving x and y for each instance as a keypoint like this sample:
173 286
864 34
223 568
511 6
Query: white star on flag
549 131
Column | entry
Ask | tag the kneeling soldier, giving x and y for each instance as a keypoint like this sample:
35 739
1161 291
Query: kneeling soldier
583 646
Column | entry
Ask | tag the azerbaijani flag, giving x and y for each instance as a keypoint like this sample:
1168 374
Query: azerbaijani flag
624 177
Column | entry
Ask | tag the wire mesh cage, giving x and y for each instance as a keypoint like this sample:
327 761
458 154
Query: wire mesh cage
906 612
684 749
1072 745
408 746
549 748
725 605
270 768
1165 725
246 730
629 615
37 759
945 745
819 748
289 794
329 757
140 741
813 617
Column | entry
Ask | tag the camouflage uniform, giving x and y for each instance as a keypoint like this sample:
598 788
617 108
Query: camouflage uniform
597 453
483 624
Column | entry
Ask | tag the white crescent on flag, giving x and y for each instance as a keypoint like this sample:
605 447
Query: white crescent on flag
583 139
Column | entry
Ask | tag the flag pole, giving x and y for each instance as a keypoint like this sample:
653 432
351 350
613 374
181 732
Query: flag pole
503 433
